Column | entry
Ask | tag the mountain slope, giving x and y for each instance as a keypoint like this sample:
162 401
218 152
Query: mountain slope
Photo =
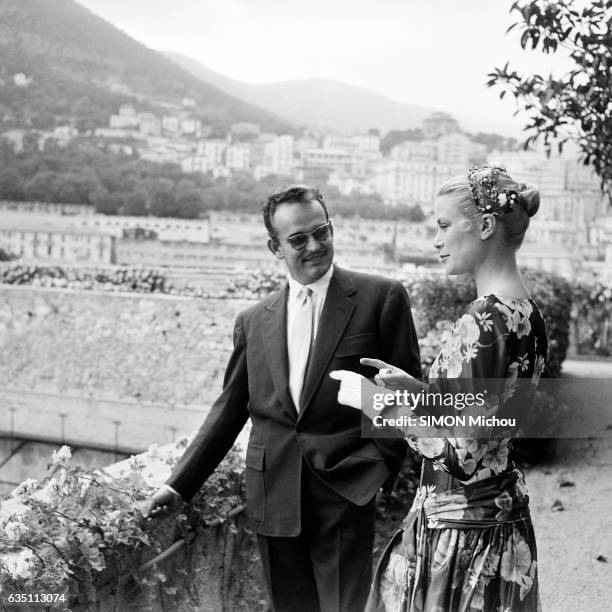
317 102
81 67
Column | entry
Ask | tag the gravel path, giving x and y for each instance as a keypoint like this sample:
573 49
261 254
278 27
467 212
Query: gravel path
572 579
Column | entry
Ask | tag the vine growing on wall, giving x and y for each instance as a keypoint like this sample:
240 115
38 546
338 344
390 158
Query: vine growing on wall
80 529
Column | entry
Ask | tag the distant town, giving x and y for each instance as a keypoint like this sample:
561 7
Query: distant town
572 233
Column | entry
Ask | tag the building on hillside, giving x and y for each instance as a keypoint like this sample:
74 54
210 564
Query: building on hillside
191 126
411 182
456 149
44 239
329 159
164 228
569 191
244 130
119 133
213 149
171 125
552 258
196 163
415 151
453 149
127 118
238 156
304 144
149 124
53 208
192 254
348 182
15 137
356 142
62 134
274 156
438 124
221 172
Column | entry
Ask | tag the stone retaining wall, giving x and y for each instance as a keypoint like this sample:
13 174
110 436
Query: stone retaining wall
154 348
116 371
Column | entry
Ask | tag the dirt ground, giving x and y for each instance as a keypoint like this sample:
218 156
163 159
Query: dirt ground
572 579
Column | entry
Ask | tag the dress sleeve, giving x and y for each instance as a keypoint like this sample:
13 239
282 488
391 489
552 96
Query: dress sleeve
476 349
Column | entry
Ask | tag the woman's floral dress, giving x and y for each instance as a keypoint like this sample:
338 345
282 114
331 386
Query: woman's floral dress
467 543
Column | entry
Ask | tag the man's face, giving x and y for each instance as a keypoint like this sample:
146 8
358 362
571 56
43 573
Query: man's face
312 262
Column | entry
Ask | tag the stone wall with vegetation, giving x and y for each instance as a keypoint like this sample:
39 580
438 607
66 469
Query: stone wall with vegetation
147 347
80 534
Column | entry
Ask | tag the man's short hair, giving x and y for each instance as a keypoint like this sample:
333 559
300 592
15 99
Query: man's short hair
299 194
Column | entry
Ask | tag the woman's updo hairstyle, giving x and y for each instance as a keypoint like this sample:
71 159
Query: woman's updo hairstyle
491 190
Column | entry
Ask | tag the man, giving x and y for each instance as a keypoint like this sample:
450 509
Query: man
311 478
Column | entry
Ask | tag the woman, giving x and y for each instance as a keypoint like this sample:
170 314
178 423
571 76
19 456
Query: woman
467 543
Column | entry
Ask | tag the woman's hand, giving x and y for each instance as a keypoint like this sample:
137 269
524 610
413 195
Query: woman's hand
349 393
389 376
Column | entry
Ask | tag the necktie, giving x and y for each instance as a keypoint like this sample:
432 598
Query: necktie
300 344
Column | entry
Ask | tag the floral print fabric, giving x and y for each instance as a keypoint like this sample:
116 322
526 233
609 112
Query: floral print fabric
467 543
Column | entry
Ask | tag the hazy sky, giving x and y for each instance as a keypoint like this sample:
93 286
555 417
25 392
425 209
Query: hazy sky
430 52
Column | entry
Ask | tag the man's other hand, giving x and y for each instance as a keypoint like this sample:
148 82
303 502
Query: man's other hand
162 503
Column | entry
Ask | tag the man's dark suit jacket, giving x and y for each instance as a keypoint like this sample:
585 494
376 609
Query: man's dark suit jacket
363 316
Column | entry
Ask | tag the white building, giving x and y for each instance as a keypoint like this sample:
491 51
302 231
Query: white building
279 154
456 149
213 149
348 183
569 192
244 129
551 258
166 228
50 238
64 134
438 124
191 126
196 163
238 156
127 118
415 150
273 154
411 182
358 142
149 124
332 159
53 208
171 124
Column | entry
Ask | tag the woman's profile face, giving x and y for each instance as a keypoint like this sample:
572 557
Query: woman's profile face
458 240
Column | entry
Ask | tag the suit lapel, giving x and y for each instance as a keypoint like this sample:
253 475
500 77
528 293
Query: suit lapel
337 311
274 333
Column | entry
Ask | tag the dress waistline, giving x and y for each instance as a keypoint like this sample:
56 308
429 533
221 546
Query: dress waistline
492 501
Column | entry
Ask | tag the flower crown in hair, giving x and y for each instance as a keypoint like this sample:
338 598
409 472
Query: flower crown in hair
487 196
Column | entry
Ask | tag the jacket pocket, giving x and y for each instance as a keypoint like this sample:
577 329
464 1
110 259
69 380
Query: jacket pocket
255 485
358 344
255 457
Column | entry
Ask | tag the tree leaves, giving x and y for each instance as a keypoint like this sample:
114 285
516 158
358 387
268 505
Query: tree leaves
577 105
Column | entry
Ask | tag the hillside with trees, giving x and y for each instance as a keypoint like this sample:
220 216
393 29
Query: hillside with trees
81 173
77 68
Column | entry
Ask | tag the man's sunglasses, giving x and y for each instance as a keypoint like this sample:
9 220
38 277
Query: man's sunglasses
321 233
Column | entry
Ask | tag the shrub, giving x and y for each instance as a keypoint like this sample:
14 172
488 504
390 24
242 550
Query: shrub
592 317
79 530
141 280
553 295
